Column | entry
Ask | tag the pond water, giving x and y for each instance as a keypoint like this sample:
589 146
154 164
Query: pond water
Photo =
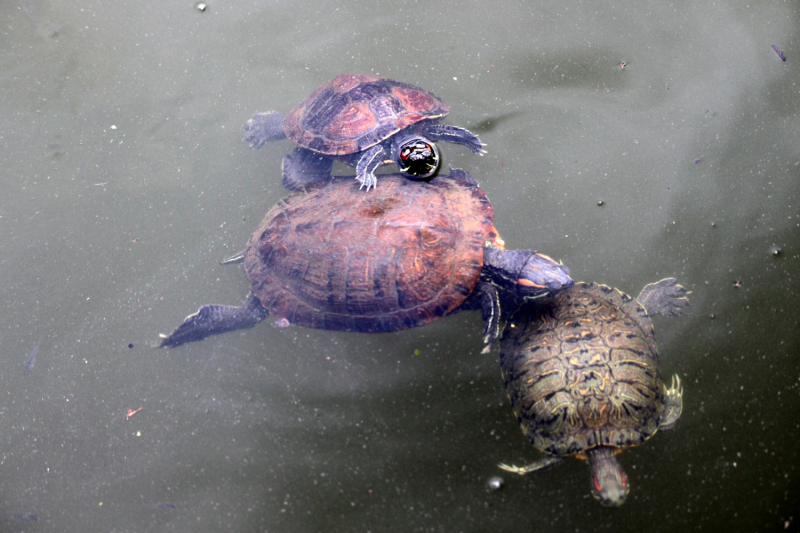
631 140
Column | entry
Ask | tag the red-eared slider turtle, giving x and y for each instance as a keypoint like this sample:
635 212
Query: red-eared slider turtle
582 372
366 121
395 259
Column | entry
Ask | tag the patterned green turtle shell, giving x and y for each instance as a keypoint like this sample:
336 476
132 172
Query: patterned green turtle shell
582 371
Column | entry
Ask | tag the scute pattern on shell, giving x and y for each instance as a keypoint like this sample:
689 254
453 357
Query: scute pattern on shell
353 112
583 371
396 258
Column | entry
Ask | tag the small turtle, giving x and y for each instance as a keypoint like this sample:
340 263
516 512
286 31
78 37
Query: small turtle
582 372
392 260
365 121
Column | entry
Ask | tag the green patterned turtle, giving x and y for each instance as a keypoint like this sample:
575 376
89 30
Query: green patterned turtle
582 372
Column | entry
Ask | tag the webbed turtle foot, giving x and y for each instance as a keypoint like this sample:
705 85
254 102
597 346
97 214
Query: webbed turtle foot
263 128
665 297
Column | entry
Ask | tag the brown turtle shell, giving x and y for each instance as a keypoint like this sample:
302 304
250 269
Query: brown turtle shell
401 256
355 111
582 371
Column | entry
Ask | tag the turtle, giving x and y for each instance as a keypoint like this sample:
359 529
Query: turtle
366 121
396 259
582 372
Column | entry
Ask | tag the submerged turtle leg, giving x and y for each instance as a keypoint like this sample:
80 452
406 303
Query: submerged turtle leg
538 466
490 311
215 319
454 134
664 297
368 162
305 169
673 405
486 298
263 128
524 272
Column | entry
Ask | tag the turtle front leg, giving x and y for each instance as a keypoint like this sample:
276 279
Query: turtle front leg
456 135
538 466
673 405
305 169
368 162
665 297
215 319
486 298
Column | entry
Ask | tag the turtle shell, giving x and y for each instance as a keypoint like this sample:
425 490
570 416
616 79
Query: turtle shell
354 111
399 257
582 370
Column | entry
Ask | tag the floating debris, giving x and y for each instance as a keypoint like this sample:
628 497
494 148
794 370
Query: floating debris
780 54
495 483
32 358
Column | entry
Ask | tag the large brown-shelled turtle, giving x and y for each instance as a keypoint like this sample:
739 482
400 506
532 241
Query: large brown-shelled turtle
366 121
401 257
582 372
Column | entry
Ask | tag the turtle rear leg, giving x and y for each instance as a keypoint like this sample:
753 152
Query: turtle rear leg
673 405
664 297
539 466
263 128
456 135
215 319
305 169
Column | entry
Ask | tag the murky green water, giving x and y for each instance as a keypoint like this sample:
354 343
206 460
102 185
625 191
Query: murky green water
125 180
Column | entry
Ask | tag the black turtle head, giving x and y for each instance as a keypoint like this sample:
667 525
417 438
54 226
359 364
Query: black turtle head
418 157
542 276
609 483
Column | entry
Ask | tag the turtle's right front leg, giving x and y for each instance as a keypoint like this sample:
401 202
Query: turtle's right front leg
215 319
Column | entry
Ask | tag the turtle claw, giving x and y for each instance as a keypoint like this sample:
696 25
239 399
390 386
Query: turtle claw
542 464
369 181
673 405
513 469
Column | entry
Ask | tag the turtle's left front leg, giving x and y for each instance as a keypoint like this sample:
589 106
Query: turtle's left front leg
456 135
368 162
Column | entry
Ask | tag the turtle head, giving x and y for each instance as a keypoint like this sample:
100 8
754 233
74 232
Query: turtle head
526 273
609 483
542 276
417 156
